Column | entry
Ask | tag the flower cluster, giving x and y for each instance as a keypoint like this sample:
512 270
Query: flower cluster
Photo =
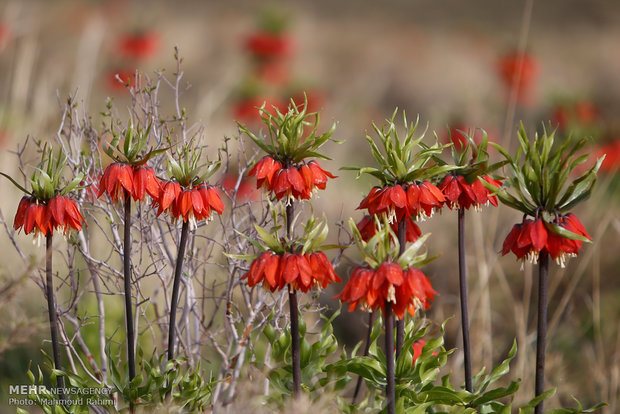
191 204
408 290
136 180
459 193
417 200
367 228
45 217
297 181
527 239
301 271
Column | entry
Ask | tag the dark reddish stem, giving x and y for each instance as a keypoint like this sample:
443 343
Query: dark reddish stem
174 301
294 310
400 323
390 394
131 360
51 309
464 307
358 385
541 334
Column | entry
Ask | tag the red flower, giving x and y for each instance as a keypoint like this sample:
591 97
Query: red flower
560 248
390 200
302 272
611 150
191 204
528 239
424 199
44 218
144 179
244 192
417 349
293 182
407 290
367 229
266 45
169 193
248 109
127 78
116 179
459 193
264 170
139 46
119 177
518 70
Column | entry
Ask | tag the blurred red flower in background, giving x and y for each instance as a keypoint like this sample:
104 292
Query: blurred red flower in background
139 46
519 71
266 45
127 78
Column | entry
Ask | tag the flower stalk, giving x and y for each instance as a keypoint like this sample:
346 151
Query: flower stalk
51 309
463 294
358 385
294 311
131 359
541 334
174 300
390 394
400 323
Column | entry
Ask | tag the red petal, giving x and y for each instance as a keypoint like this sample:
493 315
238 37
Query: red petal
305 271
139 183
197 202
511 239
538 235
125 177
215 201
290 271
57 206
398 196
271 270
393 273
24 203
296 180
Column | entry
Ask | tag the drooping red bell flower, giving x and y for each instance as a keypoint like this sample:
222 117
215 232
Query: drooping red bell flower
297 182
391 200
144 180
528 239
459 193
367 228
196 203
45 217
301 271
562 248
407 290
136 180
424 199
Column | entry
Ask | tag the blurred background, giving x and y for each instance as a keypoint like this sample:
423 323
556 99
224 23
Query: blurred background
459 65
